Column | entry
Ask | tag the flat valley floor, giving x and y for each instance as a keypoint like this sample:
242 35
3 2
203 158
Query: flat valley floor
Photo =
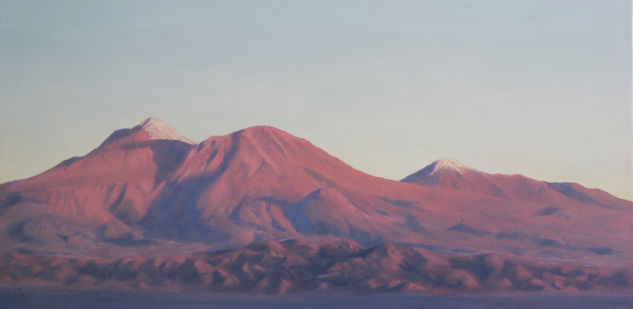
29 298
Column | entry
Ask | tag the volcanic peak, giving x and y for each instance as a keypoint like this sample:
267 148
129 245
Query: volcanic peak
157 129
447 164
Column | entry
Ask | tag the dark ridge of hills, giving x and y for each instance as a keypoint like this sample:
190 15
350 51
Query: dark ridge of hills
296 266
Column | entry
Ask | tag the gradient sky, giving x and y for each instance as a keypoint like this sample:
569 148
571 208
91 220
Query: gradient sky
541 88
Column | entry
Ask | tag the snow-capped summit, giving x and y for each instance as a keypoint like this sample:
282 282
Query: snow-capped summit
447 164
150 129
158 129
444 172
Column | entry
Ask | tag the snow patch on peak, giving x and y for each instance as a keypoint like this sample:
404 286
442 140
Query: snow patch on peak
448 164
157 129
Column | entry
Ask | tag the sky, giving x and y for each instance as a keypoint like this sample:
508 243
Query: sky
536 87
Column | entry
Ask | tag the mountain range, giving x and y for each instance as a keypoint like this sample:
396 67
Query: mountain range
148 191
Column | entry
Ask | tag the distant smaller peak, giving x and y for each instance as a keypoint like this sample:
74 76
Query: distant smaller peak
448 164
430 173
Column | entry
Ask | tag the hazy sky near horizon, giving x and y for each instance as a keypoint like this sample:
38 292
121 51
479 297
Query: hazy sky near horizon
537 87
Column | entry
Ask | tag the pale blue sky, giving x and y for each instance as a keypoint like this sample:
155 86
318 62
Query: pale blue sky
541 88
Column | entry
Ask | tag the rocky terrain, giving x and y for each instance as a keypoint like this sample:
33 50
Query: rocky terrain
295 266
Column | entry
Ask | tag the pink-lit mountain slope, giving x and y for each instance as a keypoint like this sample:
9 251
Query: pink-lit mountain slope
148 190
450 174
